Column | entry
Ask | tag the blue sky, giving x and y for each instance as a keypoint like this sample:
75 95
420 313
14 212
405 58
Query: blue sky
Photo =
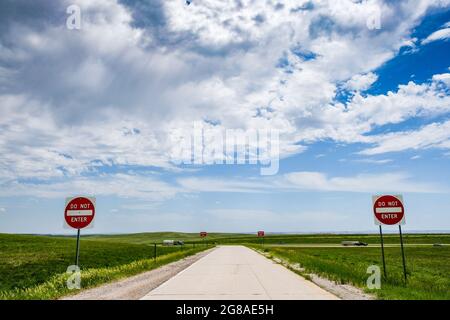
103 111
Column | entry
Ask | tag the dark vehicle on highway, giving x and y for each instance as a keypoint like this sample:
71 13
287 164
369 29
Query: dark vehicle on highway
354 243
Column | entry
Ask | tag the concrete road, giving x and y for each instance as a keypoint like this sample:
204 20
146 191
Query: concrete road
237 273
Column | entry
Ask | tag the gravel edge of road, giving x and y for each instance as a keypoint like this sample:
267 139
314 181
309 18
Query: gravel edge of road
342 291
135 287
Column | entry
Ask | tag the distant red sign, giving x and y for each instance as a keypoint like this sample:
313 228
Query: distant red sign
79 212
388 210
260 233
203 234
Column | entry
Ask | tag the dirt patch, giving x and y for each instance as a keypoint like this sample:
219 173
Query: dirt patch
343 291
136 287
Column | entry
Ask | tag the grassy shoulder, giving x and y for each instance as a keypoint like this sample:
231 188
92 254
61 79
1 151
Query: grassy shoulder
34 267
428 269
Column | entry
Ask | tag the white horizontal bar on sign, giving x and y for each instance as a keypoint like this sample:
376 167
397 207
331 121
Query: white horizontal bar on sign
388 210
76 213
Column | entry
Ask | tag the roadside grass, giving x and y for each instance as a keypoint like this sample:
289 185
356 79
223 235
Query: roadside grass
428 269
28 261
56 286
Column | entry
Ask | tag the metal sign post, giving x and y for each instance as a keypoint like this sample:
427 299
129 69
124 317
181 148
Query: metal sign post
77 250
382 253
403 252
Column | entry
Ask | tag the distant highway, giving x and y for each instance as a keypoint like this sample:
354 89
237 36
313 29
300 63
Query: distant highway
237 273
301 245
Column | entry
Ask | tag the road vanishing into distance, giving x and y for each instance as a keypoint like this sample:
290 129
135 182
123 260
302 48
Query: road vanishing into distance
237 273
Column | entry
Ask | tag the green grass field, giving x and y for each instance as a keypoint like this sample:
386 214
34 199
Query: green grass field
428 268
28 261
34 266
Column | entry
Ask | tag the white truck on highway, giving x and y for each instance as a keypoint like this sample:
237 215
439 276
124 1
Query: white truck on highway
172 243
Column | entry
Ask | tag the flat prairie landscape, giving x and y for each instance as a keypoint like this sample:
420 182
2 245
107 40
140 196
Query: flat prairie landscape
34 267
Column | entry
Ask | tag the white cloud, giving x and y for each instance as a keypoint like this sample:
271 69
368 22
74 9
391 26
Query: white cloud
361 82
315 181
375 161
120 185
371 183
435 135
444 77
2 210
352 122
442 34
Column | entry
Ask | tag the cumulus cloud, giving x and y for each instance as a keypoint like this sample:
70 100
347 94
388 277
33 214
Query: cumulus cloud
361 82
435 135
442 34
444 78
370 183
74 102
352 122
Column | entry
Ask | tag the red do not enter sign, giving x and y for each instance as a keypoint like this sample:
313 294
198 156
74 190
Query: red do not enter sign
79 212
203 234
260 233
388 210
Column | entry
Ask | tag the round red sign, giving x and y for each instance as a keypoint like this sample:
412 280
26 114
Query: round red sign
203 234
79 212
388 210
260 233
